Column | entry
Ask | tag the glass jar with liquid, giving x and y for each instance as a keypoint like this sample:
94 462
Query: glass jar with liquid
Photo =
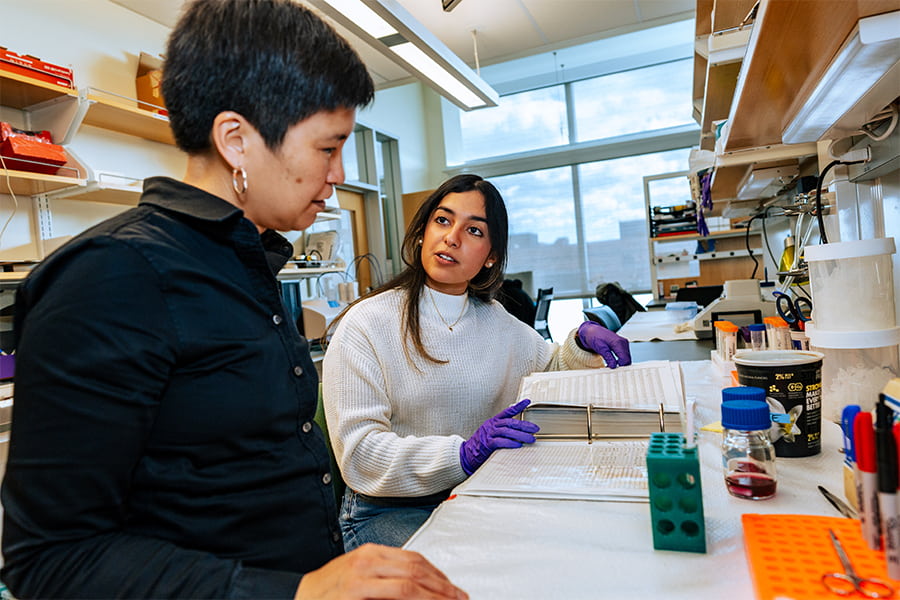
748 456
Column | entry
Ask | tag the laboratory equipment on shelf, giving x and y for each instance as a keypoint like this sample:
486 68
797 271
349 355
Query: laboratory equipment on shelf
741 303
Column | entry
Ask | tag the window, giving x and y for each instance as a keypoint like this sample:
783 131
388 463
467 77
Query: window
615 221
542 230
543 233
645 99
568 148
524 121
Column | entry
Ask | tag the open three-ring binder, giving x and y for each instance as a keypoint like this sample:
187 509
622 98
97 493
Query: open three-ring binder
606 404
595 429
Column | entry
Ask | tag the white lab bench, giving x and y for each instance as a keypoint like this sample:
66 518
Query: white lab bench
524 549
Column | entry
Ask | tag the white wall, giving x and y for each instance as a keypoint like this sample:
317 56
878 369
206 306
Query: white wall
101 41
411 114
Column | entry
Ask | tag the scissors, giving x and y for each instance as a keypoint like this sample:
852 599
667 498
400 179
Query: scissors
848 582
795 312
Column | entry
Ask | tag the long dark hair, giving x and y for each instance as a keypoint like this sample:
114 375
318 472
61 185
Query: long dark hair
412 279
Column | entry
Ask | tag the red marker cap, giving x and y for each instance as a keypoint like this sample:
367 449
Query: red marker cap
864 436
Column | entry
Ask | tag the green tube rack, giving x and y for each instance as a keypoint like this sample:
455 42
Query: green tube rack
676 499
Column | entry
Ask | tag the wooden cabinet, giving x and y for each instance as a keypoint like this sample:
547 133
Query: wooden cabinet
721 34
790 45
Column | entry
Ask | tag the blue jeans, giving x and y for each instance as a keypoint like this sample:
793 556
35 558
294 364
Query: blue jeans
375 520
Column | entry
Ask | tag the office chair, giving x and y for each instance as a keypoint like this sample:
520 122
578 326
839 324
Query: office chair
604 315
515 300
541 312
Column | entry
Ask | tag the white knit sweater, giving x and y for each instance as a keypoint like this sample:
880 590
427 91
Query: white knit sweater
396 426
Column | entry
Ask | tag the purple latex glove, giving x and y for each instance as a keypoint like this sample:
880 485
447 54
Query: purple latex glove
500 431
596 338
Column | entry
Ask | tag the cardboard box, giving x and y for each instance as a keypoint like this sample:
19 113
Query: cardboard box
148 84
32 151
31 66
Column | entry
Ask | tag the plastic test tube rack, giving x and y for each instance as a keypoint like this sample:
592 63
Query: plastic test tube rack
676 501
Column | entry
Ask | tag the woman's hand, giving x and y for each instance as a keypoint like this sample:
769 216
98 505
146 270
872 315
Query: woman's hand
500 431
373 571
596 338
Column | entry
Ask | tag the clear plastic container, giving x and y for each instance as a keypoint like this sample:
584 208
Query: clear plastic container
748 457
757 336
726 339
855 368
778 333
852 284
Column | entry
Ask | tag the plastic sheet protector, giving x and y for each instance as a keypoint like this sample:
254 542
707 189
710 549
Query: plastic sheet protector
641 386
574 470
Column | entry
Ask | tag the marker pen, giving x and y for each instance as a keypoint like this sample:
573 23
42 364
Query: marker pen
867 480
886 451
850 492
847 415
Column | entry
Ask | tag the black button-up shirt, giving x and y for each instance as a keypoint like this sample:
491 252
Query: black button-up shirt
160 442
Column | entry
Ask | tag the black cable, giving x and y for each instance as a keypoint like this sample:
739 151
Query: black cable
799 288
761 215
766 235
373 261
823 239
747 244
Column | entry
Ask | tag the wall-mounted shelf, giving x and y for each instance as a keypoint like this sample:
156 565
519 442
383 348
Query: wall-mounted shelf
106 188
25 183
720 40
707 256
289 273
23 92
725 233
116 113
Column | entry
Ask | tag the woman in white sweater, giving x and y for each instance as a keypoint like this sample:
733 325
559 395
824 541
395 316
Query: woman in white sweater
416 370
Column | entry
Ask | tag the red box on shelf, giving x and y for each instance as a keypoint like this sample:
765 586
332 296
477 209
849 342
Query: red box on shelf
32 151
36 68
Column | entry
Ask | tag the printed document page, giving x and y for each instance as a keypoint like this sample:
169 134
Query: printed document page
573 470
641 386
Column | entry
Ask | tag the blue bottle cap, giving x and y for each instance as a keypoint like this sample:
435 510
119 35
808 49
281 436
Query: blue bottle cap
743 393
757 327
746 415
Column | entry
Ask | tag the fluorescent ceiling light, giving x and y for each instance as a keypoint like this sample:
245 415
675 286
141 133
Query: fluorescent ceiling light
861 80
450 4
390 29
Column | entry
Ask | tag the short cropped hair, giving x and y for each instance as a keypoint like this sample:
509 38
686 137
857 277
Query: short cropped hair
272 61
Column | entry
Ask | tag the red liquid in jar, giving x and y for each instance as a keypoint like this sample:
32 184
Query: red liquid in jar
755 486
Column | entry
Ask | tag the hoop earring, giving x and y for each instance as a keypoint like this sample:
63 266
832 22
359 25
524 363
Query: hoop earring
234 180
